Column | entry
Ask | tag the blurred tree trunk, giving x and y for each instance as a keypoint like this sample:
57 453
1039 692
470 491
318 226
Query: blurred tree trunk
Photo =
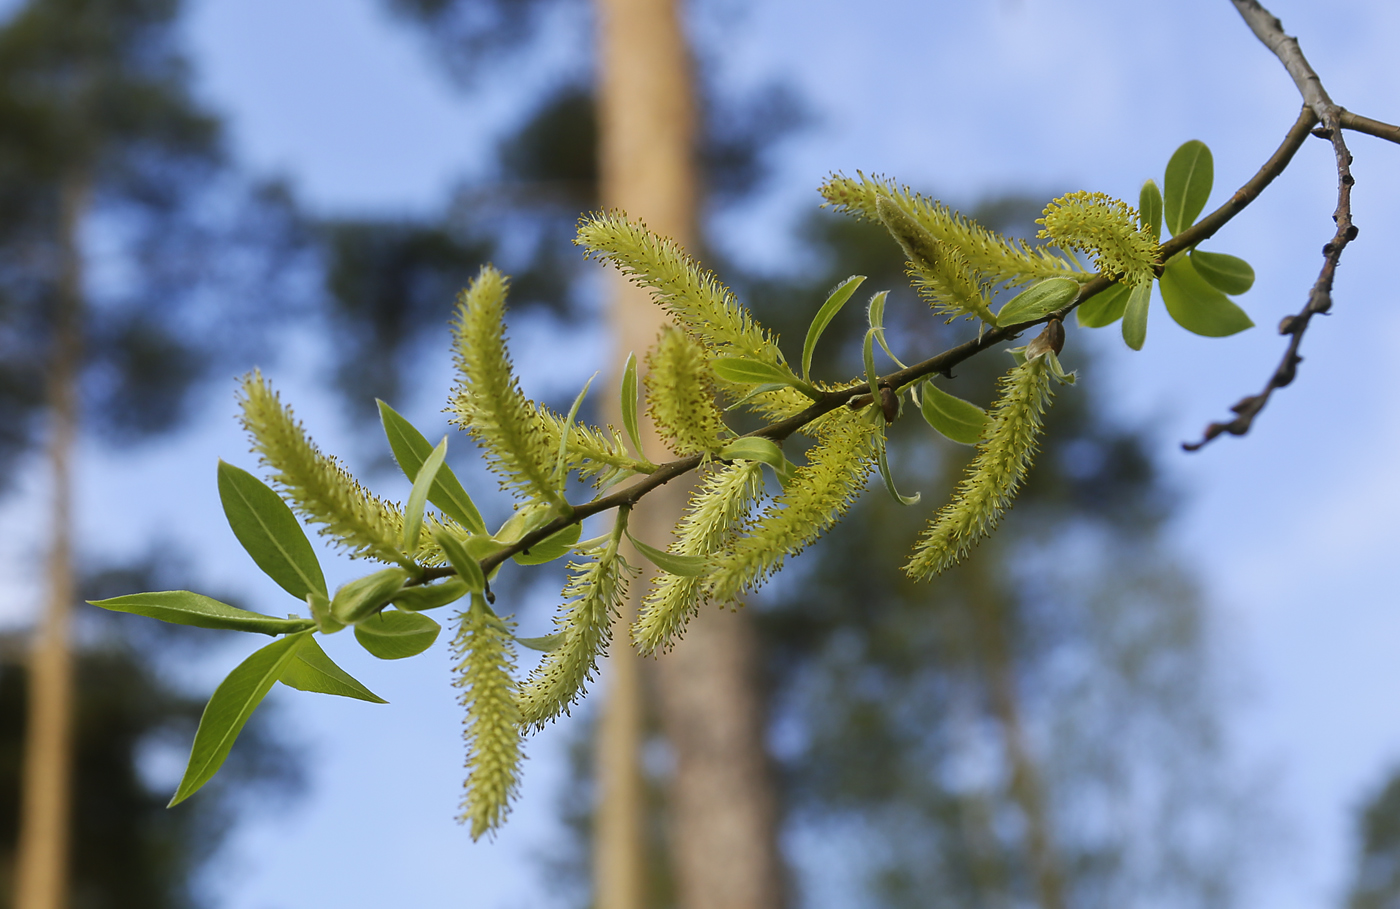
41 874
723 831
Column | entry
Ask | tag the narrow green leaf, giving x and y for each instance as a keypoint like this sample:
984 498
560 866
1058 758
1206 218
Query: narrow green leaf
546 643
228 710
411 448
313 670
629 404
269 531
754 448
875 309
1040 299
744 371
418 497
889 478
837 299
1135 315
181 607
367 595
559 475
431 596
1103 308
954 418
394 635
1190 174
1150 209
684 566
1198 307
1228 274
465 564
551 547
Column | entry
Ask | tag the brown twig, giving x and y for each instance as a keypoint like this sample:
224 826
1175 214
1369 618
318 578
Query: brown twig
1270 31
1370 127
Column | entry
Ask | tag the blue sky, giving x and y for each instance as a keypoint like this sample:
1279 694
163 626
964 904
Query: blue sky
1293 529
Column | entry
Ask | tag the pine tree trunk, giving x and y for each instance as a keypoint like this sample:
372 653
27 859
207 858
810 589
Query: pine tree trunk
41 874
723 837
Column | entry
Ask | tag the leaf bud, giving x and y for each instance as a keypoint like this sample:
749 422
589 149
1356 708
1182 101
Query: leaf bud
365 596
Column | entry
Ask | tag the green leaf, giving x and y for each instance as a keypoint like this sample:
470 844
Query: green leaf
228 710
551 547
684 566
1135 315
1228 274
181 607
754 448
1103 308
837 299
1190 173
544 643
889 478
418 497
411 448
1040 299
743 371
956 419
269 531
367 595
394 635
629 403
431 596
1198 307
559 474
321 612
313 670
466 565
1150 210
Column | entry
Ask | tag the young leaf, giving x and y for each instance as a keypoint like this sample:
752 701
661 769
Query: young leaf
394 635
629 403
888 477
418 497
1135 315
839 295
367 595
180 607
1198 307
1228 274
1103 308
1150 209
682 566
551 547
431 596
1190 173
560 475
313 670
744 371
411 449
228 710
547 643
1040 299
269 531
466 565
954 418
321 613
754 448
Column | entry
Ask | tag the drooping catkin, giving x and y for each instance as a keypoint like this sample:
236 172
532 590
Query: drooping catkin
1004 454
492 725
1107 229
717 513
315 484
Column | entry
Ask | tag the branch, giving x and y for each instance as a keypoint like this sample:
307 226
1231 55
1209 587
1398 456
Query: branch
1270 31
1370 127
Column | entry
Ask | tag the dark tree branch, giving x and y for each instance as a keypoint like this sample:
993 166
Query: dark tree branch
1270 31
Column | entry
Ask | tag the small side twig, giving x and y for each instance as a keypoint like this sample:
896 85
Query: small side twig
1270 31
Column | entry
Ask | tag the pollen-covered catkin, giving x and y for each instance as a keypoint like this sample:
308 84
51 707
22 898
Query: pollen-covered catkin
940 272
492 725
1004 454
1107 229
680 394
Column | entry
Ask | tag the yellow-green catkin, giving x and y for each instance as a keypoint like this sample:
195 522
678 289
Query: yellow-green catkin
1107 229
487 400
316 484
940 272
994 258
680 394
717 513
595 591
491 728
593 452
820 492
694 297
1004 454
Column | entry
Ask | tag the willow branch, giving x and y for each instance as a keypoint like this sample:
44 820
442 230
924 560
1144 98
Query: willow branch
1270 31
1370 127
